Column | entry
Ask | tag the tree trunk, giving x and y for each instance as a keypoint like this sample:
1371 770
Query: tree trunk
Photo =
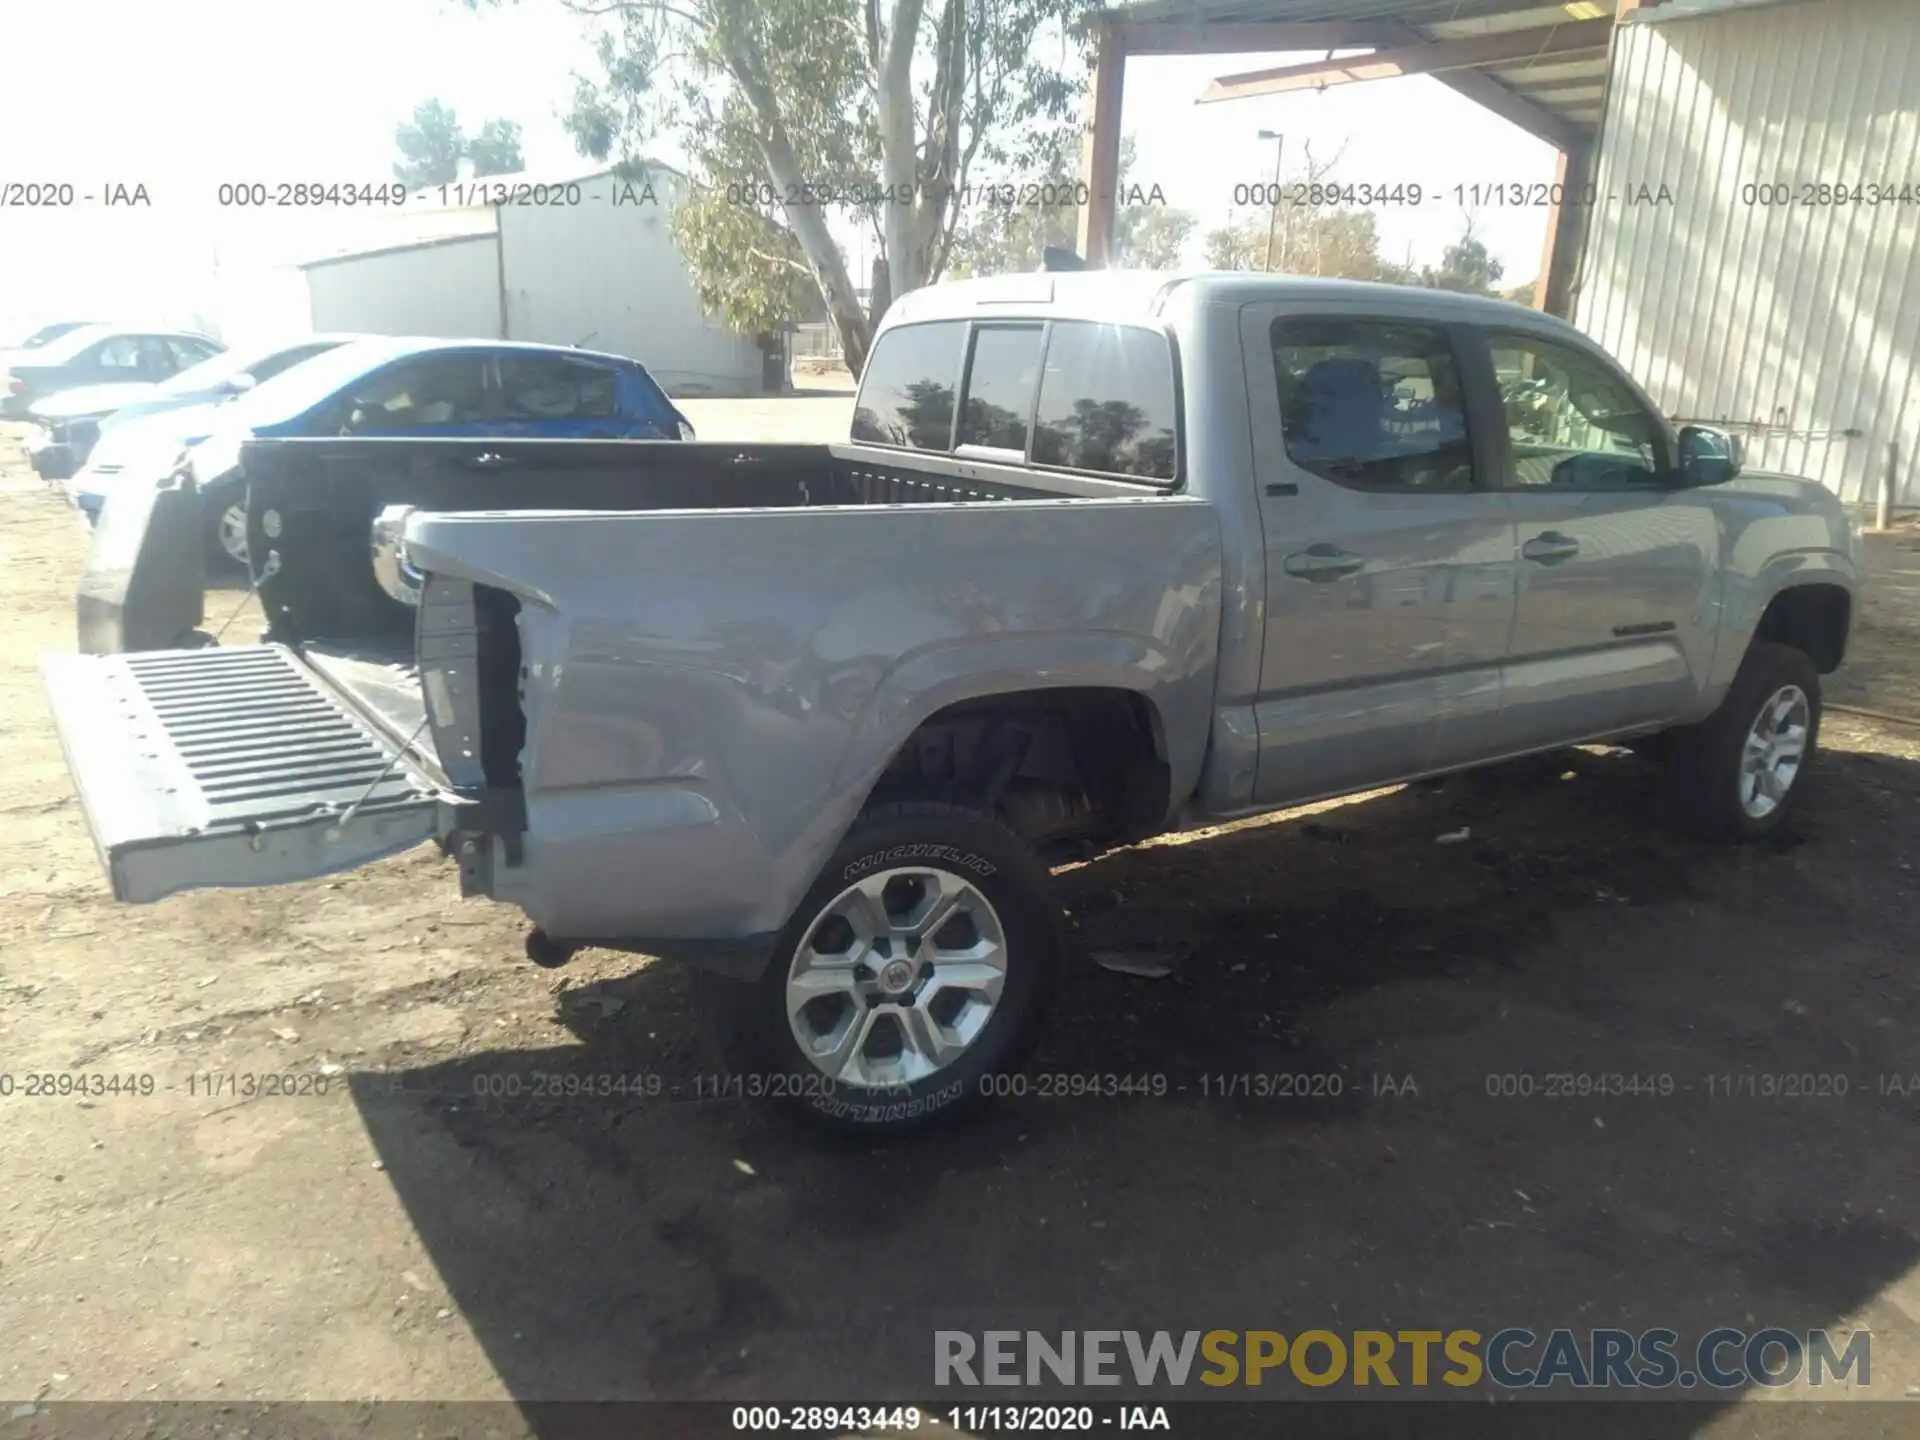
881 295
808 222
899 158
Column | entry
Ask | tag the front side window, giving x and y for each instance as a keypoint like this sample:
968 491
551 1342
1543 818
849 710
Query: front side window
1000 378
433 391
120 353
543 387
910 385
156 359
1107 401
1372 404
1572 423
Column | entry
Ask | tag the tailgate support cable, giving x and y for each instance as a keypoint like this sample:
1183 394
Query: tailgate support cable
386 770
267 572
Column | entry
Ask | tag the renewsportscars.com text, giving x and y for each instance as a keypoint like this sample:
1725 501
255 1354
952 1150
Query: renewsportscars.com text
1512 1358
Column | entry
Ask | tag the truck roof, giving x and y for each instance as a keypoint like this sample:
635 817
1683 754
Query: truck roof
1143 295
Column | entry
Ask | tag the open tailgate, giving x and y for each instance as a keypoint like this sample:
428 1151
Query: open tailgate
234 766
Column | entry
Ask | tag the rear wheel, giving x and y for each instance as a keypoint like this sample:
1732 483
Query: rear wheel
1742 773
912 974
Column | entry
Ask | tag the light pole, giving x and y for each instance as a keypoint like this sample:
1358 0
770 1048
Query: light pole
1273 207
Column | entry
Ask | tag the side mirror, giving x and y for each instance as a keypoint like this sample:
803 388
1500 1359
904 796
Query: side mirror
1709 455
240 384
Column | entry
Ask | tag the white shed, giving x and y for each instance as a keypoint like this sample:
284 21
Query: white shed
588 260
1755 253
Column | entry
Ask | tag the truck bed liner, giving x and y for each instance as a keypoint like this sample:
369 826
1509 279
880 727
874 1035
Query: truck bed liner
228 766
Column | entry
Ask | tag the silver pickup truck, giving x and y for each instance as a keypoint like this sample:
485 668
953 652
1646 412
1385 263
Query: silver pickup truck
1105 555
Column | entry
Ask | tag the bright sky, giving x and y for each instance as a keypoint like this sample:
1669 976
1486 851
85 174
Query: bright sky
188 94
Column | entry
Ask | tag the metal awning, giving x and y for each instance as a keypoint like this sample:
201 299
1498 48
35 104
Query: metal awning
1541 66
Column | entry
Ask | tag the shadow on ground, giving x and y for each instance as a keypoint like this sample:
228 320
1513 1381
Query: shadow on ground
681 1245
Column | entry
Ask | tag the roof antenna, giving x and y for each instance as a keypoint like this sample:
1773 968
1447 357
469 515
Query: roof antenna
1059 257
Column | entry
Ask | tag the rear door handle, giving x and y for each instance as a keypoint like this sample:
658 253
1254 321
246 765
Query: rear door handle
1550 548
1323 562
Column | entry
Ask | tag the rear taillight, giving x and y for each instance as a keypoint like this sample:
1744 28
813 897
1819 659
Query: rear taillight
15 385
686 431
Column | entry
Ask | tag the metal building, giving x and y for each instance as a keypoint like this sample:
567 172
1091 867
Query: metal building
1741 222
586 260
1775 288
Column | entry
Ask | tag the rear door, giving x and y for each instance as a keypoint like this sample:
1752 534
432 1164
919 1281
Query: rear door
1389 557
1618 571
233 766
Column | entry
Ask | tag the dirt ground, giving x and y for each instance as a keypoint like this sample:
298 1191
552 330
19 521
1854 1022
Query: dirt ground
419 1232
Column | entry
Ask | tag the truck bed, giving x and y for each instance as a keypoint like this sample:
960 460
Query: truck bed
623 651
313 502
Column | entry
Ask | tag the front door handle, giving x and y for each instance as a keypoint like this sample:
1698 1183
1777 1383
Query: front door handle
1550 548
1323 562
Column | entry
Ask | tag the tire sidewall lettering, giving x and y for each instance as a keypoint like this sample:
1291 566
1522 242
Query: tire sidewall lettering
925 851
880 1111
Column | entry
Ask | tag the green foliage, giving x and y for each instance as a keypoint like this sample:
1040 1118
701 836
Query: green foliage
432 145
1008 226
496 149
1466 266
1152 237
799 110
1325 241
1001 238
747 267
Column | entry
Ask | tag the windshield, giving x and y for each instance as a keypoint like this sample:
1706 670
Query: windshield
64 347
48 333
213 370
295 391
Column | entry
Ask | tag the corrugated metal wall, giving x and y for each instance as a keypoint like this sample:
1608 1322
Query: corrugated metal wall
447 288
610 277
1796 322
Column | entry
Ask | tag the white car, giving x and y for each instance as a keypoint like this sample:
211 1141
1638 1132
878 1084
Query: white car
73 420
142 450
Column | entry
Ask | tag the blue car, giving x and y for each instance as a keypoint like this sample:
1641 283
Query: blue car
385 386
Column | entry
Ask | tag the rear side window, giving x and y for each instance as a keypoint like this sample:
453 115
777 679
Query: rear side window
1373 404
910 385
188 352
433 390
120 353
542 387
1000 379
1106 401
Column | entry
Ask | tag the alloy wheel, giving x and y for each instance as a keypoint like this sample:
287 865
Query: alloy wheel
896 977
1775 749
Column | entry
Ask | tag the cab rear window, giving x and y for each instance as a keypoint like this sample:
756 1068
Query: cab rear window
1101 396
908 389
1107 402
